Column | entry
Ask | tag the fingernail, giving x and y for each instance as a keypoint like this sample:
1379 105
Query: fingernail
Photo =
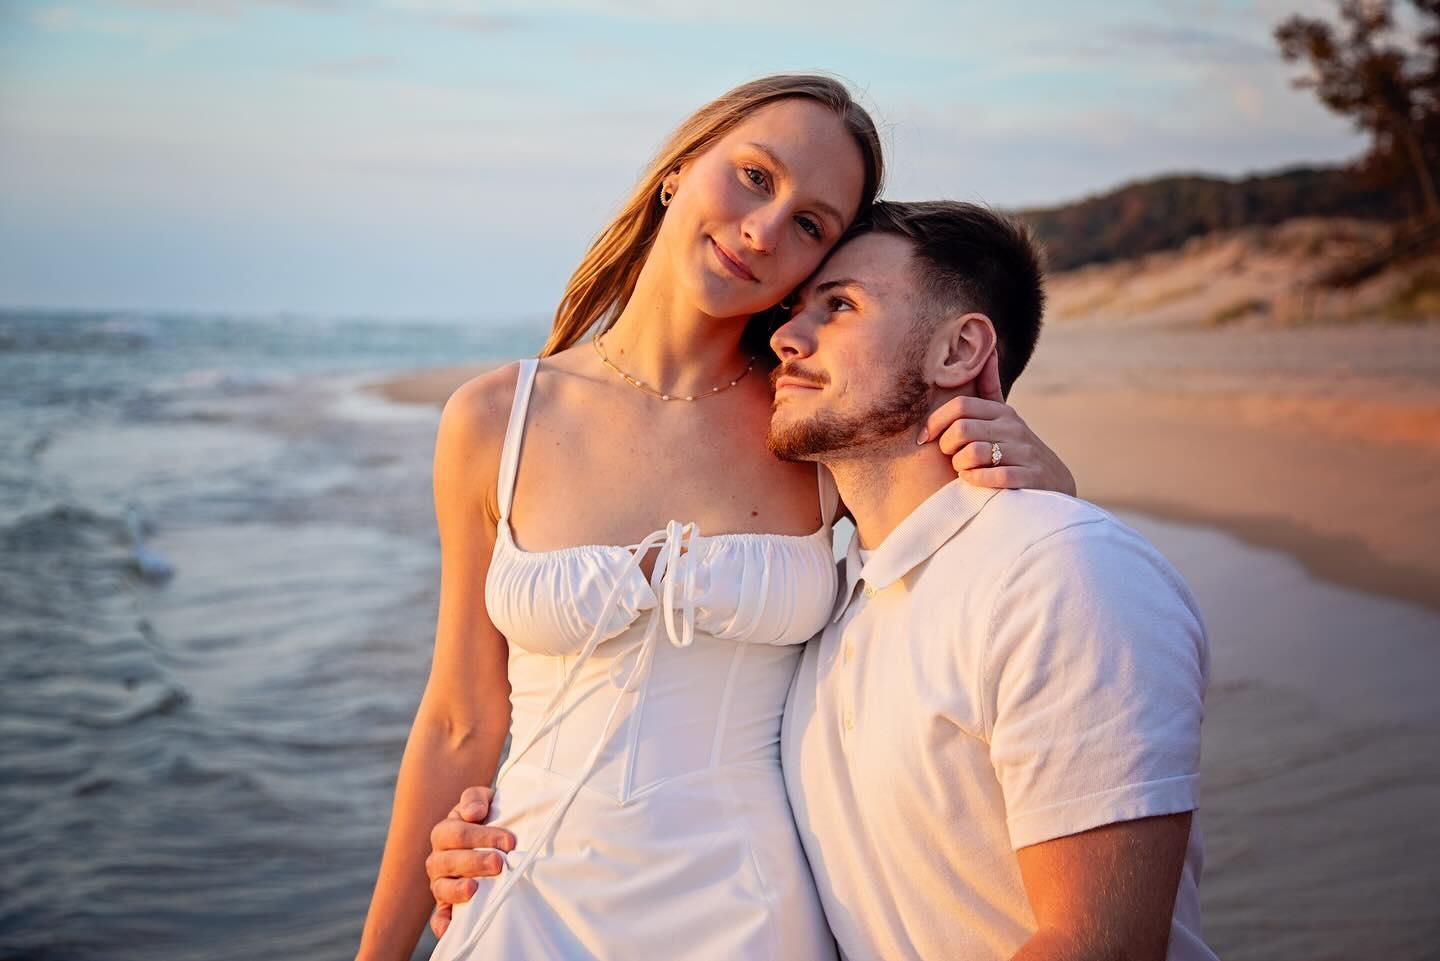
921 439
507 844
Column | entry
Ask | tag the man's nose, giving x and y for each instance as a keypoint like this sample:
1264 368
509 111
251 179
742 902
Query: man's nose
794 338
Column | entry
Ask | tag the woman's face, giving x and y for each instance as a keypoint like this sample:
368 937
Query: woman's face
755 213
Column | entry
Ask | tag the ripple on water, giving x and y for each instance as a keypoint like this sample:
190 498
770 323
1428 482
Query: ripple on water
113 463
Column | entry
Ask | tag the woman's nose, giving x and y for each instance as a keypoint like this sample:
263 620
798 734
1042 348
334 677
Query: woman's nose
761 230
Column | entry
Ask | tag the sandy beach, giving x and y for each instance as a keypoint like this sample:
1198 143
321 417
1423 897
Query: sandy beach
1323 443
1291 475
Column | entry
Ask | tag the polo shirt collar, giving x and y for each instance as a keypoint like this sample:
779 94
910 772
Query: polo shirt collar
938 518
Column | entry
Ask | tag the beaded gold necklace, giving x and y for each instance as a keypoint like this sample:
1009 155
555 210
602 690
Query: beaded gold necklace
637 382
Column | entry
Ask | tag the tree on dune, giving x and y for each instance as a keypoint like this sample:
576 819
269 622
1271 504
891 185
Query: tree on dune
1369 68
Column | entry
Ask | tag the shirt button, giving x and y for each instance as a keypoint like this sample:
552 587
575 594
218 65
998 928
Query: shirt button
849 721
869 591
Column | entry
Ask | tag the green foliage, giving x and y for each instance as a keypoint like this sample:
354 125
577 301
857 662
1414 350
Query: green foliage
1239 310
1367 68
1417 300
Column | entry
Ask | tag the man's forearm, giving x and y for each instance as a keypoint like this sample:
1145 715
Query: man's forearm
1050 944
434 770
1107 894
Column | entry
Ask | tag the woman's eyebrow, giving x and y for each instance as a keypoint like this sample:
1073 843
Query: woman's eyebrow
779 164
784 171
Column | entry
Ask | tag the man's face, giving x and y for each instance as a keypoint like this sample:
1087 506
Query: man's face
851 355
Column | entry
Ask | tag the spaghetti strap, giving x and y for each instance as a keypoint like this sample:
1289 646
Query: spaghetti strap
829 496
514 434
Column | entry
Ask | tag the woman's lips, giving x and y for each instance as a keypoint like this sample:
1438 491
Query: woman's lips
732 263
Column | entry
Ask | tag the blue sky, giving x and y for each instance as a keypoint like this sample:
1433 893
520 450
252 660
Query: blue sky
452 158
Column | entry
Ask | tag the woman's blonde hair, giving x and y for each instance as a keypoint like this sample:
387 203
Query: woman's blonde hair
605 279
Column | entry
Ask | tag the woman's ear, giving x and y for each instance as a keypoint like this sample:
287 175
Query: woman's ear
671 183
963 345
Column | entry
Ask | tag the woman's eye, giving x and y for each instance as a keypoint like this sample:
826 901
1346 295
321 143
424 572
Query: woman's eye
757 176
810 227
836 305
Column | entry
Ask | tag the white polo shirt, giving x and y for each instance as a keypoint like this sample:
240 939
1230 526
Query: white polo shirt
1019 666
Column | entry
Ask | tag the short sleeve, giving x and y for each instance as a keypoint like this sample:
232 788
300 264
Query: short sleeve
1094 682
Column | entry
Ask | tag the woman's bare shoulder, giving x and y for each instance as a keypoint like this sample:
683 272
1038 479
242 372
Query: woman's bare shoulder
480 407
471 433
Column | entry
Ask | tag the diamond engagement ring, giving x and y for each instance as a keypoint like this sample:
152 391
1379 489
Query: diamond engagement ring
995 455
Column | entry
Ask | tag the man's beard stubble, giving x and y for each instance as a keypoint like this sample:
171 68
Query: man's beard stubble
829 432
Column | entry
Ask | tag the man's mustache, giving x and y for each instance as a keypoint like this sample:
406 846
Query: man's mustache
796 372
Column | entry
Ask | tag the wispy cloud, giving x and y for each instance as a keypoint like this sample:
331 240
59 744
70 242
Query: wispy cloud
1181 46
1193 43
473 22
605 53
463 15
155 37
229 9
365 65
807 13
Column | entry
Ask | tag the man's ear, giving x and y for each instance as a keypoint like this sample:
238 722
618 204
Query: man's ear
961 347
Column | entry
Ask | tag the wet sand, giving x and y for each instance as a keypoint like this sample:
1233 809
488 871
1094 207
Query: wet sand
1293 477
432 385
1322 443
1319 774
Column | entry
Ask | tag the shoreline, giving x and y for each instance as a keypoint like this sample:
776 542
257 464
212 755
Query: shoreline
1335 463
427 385
1322 443
1340 561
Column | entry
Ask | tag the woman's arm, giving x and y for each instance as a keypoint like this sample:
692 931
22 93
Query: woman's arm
967 427
464 714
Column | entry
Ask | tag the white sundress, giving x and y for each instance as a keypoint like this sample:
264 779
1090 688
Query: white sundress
644 785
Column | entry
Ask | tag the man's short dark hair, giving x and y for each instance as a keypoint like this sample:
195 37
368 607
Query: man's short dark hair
969 257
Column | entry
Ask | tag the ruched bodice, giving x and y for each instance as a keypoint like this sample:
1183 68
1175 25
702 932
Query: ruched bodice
756 588
663 697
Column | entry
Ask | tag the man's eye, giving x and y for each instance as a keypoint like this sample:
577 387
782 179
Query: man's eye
836 305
